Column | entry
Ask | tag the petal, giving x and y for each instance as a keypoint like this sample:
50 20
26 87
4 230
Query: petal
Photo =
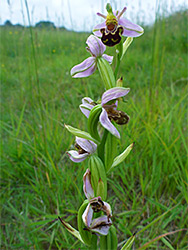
86 106
106 123
96 30
87 100
107 209
116 103
113 93
76 157
108 58
87 145
101 225
96 47
85 110
87 215
84 69
119 14
87 187
130 29
101 15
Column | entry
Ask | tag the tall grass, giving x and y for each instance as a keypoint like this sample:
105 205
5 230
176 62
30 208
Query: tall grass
38 182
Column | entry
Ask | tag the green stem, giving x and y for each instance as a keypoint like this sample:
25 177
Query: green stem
101 147
117 67
119 51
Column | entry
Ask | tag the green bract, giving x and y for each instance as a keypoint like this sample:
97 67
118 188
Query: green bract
71 230
80 133
86 236
126 44
120 158
106 73
93 121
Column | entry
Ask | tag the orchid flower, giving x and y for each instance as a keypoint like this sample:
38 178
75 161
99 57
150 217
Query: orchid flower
84 149
100 225
89 65
109 109
115 26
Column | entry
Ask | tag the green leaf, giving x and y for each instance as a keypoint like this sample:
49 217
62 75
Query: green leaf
157 219
20 120
167 243
146 245
122 156
129 243
80 133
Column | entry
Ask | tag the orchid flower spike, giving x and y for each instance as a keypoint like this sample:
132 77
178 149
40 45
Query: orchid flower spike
84 149
100 225
89 65
109 102
115 26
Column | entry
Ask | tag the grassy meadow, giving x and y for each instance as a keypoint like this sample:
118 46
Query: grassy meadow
38 95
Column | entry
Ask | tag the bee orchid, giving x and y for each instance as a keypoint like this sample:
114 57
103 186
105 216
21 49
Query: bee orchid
115 26
89 65
84 149
109 102
100 225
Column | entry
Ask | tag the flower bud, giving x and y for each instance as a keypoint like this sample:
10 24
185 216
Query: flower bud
98 173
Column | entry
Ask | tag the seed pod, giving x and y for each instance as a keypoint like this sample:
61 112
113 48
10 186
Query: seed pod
97 169
94 174
114 240
103 242
109 241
